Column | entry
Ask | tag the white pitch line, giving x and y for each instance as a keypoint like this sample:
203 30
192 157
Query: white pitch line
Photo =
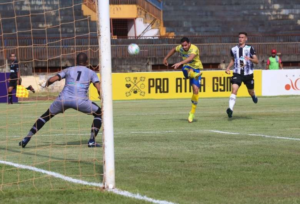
221 132
139 197
77 181
257 135
153 132
276 137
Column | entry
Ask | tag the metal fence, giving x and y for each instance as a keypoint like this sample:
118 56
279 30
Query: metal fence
91 39
147 51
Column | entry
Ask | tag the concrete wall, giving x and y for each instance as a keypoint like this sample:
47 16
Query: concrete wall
36 80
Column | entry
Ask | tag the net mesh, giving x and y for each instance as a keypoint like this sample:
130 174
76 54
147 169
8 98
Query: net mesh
46 36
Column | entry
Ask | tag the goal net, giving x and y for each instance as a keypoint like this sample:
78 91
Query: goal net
45 37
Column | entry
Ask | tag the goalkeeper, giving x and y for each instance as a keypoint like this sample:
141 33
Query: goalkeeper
73 95
191 68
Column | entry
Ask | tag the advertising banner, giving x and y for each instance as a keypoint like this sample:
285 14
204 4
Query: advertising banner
281 82
168 85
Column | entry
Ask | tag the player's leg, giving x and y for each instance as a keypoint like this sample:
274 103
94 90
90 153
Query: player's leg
9 95
189 72
249 81
36 127
236 82
193 74
58 106
253 96
92 108
30 88
195 83
12 85
96 125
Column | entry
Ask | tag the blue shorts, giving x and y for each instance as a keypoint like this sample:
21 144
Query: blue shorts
185 71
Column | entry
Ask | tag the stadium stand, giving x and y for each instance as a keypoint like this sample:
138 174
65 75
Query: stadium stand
213 27
200 17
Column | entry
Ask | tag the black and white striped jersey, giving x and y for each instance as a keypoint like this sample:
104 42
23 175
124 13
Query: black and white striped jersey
240 64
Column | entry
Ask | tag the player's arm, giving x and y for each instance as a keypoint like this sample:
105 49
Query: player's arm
280 64
18 73
171 52
57 77
96 83
229 66
19 77
253 58
53 79
187 60
97 86
268 64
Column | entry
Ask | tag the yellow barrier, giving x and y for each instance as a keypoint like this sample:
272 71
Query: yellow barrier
167 85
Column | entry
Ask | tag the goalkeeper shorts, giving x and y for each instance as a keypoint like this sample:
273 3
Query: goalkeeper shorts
84 105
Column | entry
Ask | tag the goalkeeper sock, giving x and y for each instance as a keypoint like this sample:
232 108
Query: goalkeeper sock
30 134
194 103
10 97
40 123
95 127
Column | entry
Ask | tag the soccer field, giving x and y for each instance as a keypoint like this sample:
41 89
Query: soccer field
251 158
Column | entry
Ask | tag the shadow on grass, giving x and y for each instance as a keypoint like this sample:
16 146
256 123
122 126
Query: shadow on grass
185 120
239 118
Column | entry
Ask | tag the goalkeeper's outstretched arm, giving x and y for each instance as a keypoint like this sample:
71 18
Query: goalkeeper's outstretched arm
51 80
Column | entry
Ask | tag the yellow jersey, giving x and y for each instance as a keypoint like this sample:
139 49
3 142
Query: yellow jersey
196 62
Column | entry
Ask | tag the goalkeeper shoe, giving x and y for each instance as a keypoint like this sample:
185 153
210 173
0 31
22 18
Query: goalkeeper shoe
92 143
191 117
24 142
229 112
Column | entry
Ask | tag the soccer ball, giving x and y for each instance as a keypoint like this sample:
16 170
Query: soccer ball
133 49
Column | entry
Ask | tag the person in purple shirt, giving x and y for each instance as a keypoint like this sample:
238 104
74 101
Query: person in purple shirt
73 95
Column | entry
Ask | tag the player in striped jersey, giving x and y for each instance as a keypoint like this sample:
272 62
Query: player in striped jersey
243 58
191 68
74 95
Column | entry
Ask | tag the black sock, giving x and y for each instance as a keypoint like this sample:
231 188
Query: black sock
95 127
10 97
40 123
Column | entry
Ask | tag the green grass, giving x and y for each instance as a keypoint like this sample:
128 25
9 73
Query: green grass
158 153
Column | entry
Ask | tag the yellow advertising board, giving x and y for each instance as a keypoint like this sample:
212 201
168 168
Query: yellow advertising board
167 85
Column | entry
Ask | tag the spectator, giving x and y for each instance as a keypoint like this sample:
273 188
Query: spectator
274 62
222 65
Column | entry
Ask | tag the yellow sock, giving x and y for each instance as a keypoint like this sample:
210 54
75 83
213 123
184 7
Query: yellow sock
194 103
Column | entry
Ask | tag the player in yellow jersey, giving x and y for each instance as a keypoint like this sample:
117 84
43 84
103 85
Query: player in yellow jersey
191 68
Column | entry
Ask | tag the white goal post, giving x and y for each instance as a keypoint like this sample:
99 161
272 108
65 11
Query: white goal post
106 89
